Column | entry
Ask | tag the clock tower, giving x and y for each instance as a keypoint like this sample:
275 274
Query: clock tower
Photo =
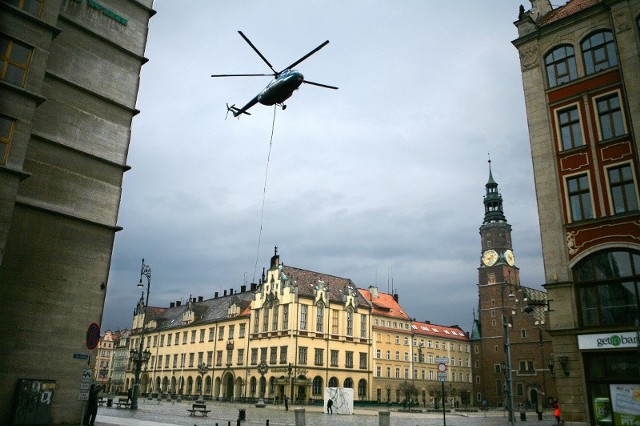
497 261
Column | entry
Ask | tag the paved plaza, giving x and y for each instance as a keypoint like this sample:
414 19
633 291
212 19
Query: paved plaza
223 414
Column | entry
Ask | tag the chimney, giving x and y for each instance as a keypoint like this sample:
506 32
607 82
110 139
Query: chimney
395 297
178 303
225 293
200 298
243 288
172 304
215 295
373 290
254 286
230 291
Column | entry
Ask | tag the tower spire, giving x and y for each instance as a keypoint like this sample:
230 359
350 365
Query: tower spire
492 201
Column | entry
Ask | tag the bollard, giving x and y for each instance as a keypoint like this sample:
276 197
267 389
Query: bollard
384 418
300 420
267 424
242 414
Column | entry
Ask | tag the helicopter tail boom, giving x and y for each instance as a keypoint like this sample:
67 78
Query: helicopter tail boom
235 110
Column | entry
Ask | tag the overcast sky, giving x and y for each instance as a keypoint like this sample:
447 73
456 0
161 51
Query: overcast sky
381 181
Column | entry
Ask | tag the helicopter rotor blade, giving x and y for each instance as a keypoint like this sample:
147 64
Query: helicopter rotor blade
307 55
242 75
320 84
257 51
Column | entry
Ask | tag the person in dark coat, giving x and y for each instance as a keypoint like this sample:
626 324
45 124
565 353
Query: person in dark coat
129 395
92 405
329 405
286 403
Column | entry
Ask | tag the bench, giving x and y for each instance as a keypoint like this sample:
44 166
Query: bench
123 402
198 408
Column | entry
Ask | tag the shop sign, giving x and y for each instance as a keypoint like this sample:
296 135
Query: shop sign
625 401
607 341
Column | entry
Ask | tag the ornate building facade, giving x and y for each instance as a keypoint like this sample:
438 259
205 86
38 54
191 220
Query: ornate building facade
580 68
292 335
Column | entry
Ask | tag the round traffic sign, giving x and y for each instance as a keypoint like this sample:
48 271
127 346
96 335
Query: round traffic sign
93 336
442 368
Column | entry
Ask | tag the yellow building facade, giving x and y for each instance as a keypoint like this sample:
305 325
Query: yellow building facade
292 335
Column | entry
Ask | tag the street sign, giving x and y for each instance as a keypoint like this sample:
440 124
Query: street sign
442 368
80 356
442 360
442 377
93 336
85 385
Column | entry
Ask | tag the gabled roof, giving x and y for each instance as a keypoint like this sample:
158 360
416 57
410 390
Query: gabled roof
305 281
205 312
384 305
435 330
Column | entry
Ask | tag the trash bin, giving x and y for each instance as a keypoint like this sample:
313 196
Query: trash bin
242 414
109 402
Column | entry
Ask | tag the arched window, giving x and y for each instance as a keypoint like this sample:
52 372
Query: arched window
362 388
607 284
348 382
561 65
599 52
333 382
316 388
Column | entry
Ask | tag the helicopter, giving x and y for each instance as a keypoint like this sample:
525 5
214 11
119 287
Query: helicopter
280 88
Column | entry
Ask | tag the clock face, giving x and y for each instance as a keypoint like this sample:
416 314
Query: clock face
509 257
489 257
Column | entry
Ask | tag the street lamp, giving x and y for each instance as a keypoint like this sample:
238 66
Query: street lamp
202 369
507 348
141 357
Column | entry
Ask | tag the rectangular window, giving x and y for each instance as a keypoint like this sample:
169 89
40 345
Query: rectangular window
303 317
200 357
302 354
240 356
348 359
191 358
232 329
193 336
212 333
397 372
378 371
15 58
579 198
570 128
254 356
166 361
241 331
320 318
283 354
363 360
273 357
263 354
218 358
256 321
526 366
334 321
209 358
334 358
389 372
378 354
363 326
229 357
175 361
623 189
202 335
221 333
169 336
319 357
610 116
184 337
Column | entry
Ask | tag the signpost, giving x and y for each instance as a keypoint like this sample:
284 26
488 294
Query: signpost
93 336
85 385
442 376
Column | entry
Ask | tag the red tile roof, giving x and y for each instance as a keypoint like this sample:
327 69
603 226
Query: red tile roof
435 330
572 7
384 305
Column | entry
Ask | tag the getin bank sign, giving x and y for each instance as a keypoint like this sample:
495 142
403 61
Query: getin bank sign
608 341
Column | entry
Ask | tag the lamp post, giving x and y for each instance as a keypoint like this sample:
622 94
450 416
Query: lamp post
507 348
141 357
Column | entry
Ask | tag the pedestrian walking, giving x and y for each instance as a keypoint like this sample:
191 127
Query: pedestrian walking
329 405
92 405
286 403
129 395
556 411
